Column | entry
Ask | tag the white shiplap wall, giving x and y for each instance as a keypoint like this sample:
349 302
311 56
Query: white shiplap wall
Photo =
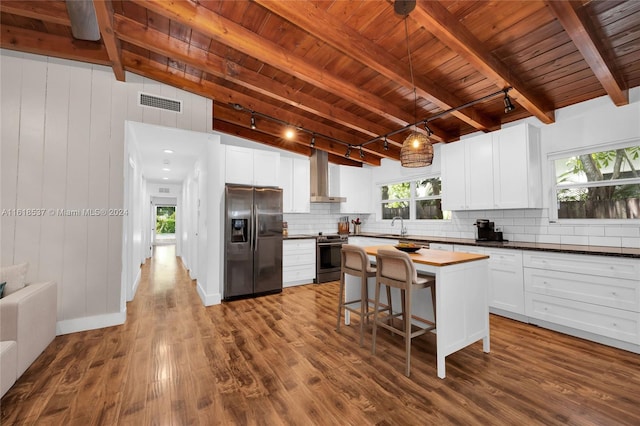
63 148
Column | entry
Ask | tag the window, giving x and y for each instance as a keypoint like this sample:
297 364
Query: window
599 185
415 199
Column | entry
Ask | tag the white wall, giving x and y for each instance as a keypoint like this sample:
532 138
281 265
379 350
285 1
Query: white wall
584 126
201 235
63 148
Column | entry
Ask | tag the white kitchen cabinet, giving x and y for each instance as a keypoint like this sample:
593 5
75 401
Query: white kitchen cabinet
441 246
479 177
294 180
355 185
517 180
454 181
506 281
593 297
298 261
251 166
498 170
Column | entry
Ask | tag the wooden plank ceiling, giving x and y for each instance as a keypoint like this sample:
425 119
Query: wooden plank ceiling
339 70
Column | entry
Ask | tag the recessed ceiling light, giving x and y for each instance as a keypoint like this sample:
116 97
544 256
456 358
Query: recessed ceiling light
168 151
166 169
165 178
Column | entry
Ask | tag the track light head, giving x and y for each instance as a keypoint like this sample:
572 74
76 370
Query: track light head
313 141
508 106
348 153
253 122
386 144
361 152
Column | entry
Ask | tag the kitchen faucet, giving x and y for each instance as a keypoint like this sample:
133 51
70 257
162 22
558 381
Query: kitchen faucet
403 230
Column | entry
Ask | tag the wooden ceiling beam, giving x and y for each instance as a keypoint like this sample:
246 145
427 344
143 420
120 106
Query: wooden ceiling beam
237 37
104 16
139 35
51 45
436 19
322 25
173 77
223 126
229 114
54 12
580 30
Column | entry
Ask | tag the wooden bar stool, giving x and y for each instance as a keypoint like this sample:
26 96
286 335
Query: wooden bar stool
396 269
354 261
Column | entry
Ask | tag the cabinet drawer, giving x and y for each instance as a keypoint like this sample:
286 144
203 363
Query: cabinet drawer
292 246
441 246
603 291
299 258
608 266
614 323
298 273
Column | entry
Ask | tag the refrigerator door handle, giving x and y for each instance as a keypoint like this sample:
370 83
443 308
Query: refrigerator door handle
256 216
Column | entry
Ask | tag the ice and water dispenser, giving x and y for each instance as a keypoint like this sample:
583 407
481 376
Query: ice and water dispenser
239 228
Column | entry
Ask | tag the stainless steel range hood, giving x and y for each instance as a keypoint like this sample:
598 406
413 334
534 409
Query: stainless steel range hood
320 179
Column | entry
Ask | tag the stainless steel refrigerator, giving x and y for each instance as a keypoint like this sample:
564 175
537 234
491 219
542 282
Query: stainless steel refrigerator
253 241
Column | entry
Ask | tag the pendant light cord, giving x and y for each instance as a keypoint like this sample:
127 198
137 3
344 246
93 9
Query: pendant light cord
413 84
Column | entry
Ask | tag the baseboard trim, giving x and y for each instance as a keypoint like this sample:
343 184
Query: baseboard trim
90 323
208 299
136 283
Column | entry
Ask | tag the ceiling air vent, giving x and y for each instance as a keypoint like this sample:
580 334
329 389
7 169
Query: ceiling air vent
153 101
164 190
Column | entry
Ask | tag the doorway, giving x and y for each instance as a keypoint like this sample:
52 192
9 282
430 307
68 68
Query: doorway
165 224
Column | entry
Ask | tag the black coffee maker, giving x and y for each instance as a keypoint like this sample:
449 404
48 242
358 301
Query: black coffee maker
486 231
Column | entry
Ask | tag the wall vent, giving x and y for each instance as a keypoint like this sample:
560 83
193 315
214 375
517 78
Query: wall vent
158 102
164 190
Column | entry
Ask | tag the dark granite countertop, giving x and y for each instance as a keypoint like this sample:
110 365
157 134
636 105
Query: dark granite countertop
560 248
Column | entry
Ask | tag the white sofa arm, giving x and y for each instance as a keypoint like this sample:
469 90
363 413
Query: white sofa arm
28 316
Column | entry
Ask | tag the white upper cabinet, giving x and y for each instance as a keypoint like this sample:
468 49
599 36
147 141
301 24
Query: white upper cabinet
517 179
479 177
499 170
295 184
355 185
251 166
454 181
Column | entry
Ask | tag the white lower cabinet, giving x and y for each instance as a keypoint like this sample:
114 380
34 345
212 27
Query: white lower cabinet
506 283
593 294
298 262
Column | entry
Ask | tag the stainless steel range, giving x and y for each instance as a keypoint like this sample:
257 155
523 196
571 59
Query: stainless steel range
328 249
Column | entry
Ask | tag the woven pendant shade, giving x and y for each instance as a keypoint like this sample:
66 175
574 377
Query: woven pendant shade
416 151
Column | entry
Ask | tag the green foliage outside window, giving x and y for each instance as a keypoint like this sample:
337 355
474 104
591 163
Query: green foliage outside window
165 220
599 185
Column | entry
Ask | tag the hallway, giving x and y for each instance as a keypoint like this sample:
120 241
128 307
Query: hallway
278 360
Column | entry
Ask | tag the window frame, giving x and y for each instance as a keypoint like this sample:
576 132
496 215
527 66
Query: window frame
554 187
412 197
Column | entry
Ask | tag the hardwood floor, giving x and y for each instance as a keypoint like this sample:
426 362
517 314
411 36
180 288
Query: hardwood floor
278 360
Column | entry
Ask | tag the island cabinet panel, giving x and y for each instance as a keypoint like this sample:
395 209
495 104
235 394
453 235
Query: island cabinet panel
506 281
298 262
498 170
594 294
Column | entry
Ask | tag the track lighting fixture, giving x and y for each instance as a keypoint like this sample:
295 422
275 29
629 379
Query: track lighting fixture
348 153
361 153
508 106
386 144
289 133
313 141
253 122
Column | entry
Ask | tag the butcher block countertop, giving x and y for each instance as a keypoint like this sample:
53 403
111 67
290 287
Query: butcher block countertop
433 257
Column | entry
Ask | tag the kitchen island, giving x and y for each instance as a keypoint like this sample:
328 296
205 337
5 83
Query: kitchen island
462 310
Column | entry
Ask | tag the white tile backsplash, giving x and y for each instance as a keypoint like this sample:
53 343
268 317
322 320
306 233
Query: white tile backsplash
525 225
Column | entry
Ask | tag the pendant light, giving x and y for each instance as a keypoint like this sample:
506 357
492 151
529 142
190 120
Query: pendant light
417 150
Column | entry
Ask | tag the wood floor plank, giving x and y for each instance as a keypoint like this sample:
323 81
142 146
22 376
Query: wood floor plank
278 360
